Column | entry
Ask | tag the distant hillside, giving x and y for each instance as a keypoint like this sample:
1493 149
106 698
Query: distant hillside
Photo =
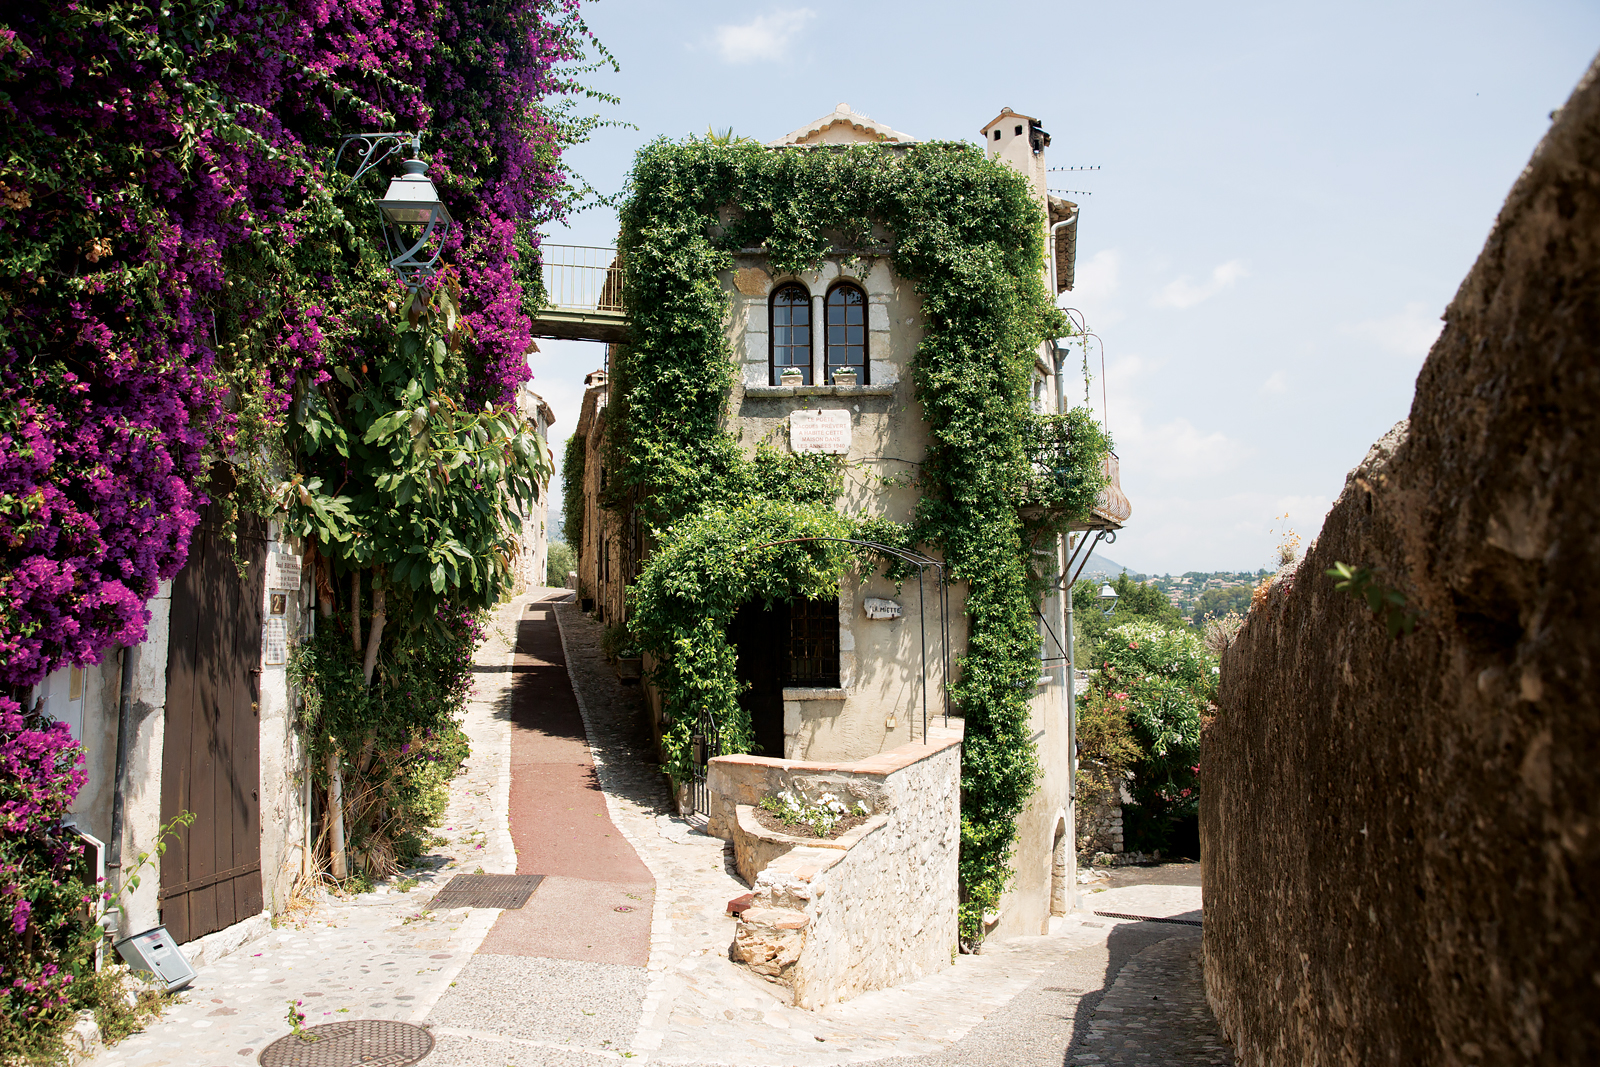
1104 566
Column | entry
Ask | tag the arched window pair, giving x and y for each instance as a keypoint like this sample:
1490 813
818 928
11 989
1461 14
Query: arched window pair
845 339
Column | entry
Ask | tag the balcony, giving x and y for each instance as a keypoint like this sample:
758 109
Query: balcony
583 290
1058 482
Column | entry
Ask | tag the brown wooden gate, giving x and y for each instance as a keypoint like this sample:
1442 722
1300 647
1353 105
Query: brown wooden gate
210 762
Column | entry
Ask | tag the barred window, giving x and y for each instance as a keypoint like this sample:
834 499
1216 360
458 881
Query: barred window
814 643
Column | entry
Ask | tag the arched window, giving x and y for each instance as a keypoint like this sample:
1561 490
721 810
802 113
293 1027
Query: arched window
847 331
791 332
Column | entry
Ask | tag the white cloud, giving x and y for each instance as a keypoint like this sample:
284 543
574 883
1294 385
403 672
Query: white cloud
765 37
1176 449
1409 332
1277 383
1183 293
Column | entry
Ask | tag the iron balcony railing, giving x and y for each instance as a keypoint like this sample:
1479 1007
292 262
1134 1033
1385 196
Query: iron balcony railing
582 278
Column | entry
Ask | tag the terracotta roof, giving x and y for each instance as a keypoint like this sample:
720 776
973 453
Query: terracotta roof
841 115
1005 113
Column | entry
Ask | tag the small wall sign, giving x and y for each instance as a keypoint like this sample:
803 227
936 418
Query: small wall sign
879 608
820 431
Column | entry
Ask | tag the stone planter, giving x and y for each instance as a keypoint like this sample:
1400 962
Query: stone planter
845 376
791 378
630 669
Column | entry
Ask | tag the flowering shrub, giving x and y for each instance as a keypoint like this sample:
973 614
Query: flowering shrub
182 261
45 938
821 817
1161 681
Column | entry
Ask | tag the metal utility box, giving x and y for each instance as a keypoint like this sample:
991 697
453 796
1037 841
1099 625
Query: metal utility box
154 951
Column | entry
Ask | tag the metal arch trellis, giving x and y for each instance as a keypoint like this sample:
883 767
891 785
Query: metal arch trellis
921 561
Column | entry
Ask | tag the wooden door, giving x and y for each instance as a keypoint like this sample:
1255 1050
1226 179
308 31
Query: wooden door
211 759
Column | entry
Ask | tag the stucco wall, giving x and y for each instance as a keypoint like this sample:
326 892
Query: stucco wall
1400 839
880 660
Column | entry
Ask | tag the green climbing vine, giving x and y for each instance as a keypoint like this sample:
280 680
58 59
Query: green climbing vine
967 233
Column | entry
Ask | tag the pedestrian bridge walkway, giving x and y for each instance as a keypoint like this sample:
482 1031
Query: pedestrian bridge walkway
583 294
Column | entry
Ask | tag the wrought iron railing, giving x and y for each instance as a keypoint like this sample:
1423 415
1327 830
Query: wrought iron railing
703 746
582 278
1061 474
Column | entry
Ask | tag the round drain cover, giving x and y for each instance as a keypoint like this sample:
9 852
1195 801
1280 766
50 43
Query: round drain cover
358 1043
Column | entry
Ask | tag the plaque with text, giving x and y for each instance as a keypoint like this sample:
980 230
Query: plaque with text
276 643
820 431
283 571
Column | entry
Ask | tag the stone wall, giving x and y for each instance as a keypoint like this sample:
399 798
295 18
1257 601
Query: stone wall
1401 838
830 923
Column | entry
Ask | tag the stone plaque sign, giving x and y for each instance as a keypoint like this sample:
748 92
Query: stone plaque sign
283 570
820 431
276 644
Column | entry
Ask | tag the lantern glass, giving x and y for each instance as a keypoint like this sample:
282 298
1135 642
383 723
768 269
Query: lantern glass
412 199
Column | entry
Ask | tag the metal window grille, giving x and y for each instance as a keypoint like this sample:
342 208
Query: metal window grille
814 643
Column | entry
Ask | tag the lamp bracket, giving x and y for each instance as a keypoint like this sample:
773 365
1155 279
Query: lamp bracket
374 148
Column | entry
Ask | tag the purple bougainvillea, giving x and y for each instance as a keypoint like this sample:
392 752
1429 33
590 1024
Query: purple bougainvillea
182 261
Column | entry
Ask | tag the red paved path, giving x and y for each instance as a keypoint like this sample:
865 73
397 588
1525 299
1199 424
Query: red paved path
559 823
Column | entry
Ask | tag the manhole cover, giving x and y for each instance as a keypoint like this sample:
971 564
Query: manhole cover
486 891
360 1043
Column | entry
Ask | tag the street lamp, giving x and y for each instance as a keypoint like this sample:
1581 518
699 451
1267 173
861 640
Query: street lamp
410 205
1107 598
410 213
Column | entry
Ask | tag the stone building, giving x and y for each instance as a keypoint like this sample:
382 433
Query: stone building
840 684
533 550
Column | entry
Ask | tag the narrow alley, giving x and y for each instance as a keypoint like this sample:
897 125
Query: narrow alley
621 951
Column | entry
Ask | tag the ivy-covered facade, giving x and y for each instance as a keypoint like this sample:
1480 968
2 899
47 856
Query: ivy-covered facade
848 335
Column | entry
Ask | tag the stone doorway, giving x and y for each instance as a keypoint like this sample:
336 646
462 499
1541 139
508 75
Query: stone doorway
785 643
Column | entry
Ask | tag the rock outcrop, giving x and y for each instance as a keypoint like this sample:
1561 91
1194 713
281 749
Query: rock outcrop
1401 838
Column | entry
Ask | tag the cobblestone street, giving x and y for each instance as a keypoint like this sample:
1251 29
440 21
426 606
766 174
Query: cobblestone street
548 985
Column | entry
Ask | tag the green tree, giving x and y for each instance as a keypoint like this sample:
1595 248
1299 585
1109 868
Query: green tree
561 559
1232 600
1135 600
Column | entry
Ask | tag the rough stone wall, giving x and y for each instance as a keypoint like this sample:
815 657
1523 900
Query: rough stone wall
832 923
1401 839
886 913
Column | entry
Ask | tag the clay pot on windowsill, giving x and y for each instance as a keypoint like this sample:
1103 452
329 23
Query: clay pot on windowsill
845 376
791 378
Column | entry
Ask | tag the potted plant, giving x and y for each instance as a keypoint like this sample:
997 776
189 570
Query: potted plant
791 377
844 376
630 665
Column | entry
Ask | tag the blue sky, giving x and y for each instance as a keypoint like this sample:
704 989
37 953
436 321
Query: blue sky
1287 200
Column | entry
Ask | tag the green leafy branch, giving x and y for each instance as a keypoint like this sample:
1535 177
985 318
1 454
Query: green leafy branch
1386 602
